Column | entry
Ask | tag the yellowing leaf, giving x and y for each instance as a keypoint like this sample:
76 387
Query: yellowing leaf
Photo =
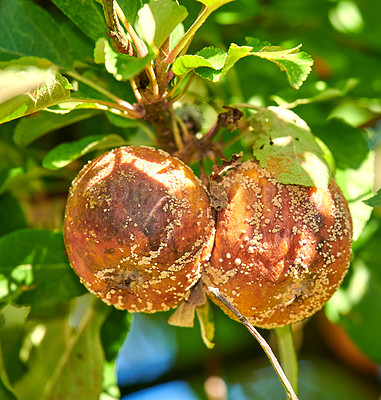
287 149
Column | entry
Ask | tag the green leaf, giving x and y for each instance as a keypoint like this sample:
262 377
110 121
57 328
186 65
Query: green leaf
17 80
211 57
114 332
54 88
8 175
122 66
348 145
130 9
286 148
120 121
65 153
6 392
211 62
357 302
257 44
357 185
374 201
297 64
85 359
34 264
176 35
23 178
33 127
11 214
29 30
68 362
234 54
158 18
86 14
110 382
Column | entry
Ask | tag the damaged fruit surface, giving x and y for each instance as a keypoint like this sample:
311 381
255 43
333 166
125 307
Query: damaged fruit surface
280 251
138 227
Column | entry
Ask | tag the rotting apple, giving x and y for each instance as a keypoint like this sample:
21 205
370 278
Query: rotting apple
280 250
138 227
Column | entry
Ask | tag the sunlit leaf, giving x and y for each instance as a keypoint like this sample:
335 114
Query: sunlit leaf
53 89
15 82
234 54
211 57
285 146
122 66
65 153
159 18
297 64
35 265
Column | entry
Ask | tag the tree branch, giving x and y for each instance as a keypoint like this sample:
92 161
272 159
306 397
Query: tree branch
115 32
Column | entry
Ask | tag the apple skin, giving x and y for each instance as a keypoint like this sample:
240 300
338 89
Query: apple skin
280 251
138 228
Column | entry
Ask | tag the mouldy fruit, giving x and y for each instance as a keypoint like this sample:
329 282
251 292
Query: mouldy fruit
138 226
280 250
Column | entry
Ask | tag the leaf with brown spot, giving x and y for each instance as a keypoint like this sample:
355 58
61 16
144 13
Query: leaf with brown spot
287 149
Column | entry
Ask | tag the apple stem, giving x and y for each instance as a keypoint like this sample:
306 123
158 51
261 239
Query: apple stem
260 339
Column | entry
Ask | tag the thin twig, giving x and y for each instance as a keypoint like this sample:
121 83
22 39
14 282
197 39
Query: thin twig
141 47
262 342
101 90
187 37
152 75
183 91
136 91
176 132
102 105
115 31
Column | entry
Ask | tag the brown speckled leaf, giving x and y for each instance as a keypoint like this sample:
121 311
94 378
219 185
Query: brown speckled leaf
287 149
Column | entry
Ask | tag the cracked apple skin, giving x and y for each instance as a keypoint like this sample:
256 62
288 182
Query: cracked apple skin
280 251
138 227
